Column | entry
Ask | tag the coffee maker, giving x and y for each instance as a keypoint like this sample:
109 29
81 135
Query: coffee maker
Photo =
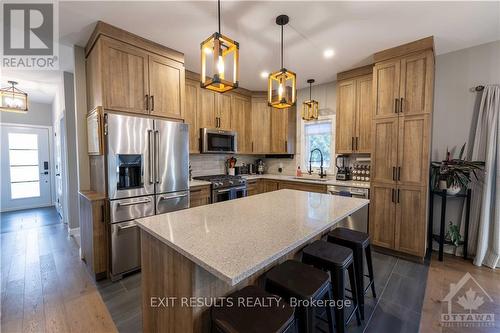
343 172
260 166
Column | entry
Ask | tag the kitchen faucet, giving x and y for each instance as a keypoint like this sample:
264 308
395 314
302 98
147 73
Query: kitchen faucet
321 173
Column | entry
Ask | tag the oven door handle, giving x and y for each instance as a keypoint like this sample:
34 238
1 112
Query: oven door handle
131 203
222 191
240 188
175 196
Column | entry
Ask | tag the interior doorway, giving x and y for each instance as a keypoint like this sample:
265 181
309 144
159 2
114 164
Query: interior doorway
26 167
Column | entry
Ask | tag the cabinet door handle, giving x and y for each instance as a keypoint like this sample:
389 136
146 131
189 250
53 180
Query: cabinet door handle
357 147
395 105
252 146
399 173
392 195
393 173
152 103
401 105
147 102
398 195
286 145
352 143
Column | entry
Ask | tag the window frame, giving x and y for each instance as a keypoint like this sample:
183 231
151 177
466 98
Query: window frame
304 162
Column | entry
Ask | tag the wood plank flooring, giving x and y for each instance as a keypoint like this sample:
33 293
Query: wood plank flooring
451 271
45 286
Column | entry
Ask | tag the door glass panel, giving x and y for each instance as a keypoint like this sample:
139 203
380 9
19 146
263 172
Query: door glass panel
24 173
23 162
25 190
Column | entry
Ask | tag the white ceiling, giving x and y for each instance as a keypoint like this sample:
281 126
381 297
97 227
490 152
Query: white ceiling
41 86
355 30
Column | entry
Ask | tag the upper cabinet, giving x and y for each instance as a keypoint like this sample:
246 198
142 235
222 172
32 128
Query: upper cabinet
241 122
215 110
190 115
354 111
404 85
261 126
127 73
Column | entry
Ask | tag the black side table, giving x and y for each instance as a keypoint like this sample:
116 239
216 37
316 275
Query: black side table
440 238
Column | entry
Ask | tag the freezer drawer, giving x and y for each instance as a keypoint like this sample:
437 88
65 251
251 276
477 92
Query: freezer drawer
125 248
132 208
170 202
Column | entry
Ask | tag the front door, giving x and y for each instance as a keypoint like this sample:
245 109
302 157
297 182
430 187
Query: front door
26 181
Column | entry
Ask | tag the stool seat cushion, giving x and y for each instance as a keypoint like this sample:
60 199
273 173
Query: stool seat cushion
327 254
268 317
343 235
299 280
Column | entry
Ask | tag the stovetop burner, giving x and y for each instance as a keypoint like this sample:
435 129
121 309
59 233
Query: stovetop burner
223 181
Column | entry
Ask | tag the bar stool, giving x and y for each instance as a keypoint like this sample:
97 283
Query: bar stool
304 283
357 242
272 317
336 259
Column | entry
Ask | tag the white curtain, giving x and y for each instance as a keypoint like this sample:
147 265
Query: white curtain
485 194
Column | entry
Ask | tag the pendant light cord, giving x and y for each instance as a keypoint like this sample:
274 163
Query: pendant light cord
310 91
218 13
282 47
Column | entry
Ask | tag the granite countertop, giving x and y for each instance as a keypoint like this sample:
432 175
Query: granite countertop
195 182
234 239
311 180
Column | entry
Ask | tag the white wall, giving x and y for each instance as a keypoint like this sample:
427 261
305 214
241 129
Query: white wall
38 114
456 73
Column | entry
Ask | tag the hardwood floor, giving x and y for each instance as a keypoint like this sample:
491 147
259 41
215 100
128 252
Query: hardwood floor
451 271
45 287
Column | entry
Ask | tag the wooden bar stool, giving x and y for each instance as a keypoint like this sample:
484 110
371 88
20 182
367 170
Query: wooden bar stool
336 259
295 280
270 316
358 242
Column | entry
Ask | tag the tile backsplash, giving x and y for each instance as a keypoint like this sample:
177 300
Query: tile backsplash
214 164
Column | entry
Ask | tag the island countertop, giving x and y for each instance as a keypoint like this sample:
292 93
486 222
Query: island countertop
234 239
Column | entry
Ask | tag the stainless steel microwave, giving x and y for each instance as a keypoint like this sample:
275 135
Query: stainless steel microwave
218 141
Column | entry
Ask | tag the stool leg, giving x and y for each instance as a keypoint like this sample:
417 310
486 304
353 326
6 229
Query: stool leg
310 319
329 311
352 280
368 253
358 264
339 294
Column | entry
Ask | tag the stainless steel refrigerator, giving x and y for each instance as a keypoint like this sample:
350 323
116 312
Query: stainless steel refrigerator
147 173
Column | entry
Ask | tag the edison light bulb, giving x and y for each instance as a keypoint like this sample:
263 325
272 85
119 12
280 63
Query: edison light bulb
220 65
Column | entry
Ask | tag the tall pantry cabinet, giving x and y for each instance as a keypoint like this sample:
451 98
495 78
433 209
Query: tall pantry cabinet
403 85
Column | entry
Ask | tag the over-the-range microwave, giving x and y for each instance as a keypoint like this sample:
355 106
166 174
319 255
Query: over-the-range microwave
215 141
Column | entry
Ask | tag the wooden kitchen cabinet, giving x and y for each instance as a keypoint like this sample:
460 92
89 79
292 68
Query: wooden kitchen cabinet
261 126
199 196
125 77
384 154
410 212
386 76
382 214
206 109
127 73
252 187
93 233
241 122
354 113
191 114
308 187
223 112
268 185
279 131
166 87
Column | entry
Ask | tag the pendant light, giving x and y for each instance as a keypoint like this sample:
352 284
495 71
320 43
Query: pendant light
13 99
310 108
282 84
223 53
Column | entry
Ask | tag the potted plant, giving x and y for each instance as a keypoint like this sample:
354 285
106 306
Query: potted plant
453 175
453 234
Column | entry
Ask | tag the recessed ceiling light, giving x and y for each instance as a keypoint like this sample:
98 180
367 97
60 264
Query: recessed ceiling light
264 74
328 53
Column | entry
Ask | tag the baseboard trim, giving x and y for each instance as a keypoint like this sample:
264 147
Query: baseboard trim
73 231
4 210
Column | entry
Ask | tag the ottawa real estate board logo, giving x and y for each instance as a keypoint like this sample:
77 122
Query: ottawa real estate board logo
467 305
29 32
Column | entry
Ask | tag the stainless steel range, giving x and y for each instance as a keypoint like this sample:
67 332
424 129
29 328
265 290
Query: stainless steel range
225 187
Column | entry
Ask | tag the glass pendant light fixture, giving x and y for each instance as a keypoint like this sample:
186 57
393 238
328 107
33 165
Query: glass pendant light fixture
219 61
13 99
282 84
310 108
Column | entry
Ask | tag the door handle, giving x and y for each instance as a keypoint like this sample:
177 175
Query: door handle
156 156
399 173
395 105
126 227
166 197
132 203
398 195
150 155
286 145
352 143
147 102
401 105
356 143
392 195
152 103
393 173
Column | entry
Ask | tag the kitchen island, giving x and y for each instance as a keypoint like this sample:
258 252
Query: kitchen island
192 256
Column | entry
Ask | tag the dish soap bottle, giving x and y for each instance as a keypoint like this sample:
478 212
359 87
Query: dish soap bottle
299 172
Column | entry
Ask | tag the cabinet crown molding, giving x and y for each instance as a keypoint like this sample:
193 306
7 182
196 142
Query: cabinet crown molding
426 43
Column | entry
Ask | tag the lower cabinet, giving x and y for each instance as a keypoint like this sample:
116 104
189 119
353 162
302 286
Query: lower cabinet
252 187
398 217
199 196
256 186
94 234
268 185
319 188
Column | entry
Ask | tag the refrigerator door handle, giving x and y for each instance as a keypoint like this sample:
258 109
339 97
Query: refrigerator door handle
150 156
167 197
157 156
131 203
